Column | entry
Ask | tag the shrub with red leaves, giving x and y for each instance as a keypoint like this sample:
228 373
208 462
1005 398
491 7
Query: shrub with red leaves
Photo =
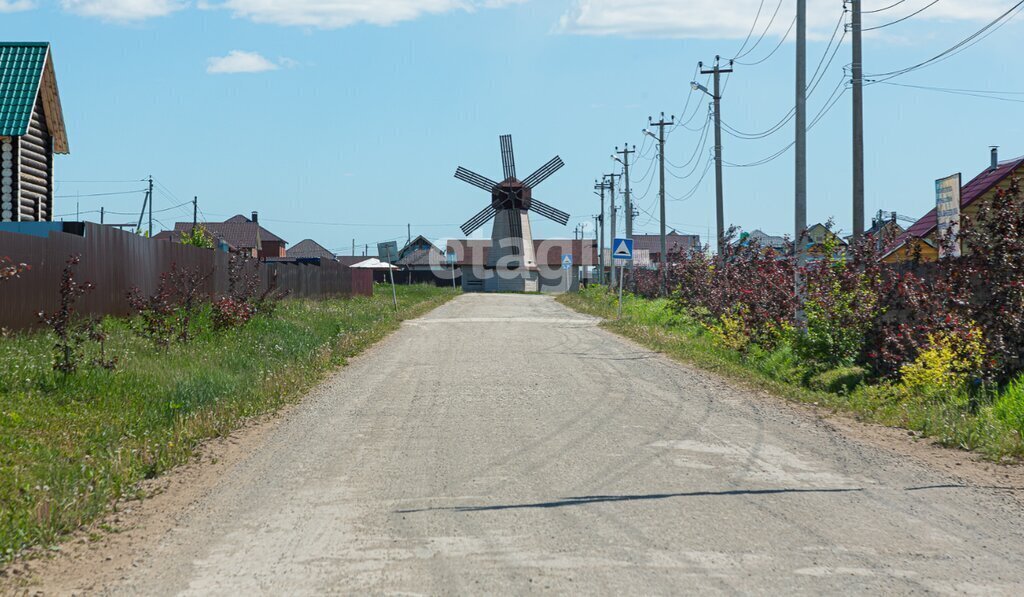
70 332
10 270
230 312
168 313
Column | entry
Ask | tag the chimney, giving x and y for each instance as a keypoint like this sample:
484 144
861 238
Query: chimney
255 217
995 157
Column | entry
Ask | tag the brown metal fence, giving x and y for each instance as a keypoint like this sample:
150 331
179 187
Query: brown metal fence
115 261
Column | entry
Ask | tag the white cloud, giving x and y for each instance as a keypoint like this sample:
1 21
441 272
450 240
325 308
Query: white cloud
714 19
16 5
239 61
123 10
334 14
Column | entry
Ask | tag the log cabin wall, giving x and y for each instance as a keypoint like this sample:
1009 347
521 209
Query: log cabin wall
35 162
8 180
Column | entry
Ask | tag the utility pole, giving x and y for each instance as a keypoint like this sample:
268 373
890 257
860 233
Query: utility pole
150 206
601 186
717 97
353 247
614 229
195 211
661 124
626 151
858 121
145 203
408 232
800 182
101 215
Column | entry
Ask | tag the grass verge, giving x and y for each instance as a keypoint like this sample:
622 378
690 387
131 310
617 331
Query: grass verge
71 446
993 430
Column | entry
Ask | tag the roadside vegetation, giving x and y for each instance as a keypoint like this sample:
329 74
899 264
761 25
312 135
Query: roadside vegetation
935 348
88 409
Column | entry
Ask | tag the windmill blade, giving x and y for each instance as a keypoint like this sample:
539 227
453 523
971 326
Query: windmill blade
508 157
544 172
549 212
478 220
475 179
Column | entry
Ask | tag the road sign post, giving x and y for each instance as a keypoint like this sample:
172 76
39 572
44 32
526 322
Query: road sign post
567 267
622 251
450 256
388 253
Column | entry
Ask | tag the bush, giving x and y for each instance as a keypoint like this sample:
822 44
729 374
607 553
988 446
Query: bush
840 380
1009 406
946 368
71 332
10 270
197 236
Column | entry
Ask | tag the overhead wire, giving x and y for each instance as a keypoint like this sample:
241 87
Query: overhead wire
967 42
764 32
901 19
782 40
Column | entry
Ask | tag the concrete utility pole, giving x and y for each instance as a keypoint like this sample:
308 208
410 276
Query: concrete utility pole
800 182
601 186
661 192
614 230
101 215
195 210
858 120
629 200
151 206
717 97
353 247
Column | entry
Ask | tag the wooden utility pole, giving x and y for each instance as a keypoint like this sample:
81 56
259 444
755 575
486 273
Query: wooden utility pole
195 211
857 83
719 193
661 124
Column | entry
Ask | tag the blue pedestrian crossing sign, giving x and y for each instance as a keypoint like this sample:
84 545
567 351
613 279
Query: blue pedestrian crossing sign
567 261
622 248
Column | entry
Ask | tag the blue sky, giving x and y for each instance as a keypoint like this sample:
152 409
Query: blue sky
341 120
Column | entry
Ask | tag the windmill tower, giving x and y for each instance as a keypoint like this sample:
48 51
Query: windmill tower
512 260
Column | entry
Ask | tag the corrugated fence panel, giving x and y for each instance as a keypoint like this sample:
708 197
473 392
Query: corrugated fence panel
115 261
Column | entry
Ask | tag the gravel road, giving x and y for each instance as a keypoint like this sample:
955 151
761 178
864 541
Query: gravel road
504 444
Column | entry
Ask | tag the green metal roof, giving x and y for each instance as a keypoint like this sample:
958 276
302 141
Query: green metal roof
21 71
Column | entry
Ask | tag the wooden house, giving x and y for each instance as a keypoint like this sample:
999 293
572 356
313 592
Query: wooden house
31 131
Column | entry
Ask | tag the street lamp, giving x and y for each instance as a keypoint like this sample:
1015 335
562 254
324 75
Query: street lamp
698 87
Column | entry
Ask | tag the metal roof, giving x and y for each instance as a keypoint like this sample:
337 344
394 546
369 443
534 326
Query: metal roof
969 193
673 241
239 232
309 249
26 72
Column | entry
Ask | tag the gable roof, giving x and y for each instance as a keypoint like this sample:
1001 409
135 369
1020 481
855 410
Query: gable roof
240 232
673 241
309 249
969 193
26 73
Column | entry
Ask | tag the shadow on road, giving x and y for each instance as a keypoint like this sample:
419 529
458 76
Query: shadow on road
598 499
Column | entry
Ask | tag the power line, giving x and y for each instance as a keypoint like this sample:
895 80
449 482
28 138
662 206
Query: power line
752 26
877 10
992 95
101 194
900 20
741 53
955 49
775 49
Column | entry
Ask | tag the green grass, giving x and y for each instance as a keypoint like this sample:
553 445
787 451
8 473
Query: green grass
993 427
70 447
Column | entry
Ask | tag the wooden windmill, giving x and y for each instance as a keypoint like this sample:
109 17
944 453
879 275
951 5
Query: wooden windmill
512 259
